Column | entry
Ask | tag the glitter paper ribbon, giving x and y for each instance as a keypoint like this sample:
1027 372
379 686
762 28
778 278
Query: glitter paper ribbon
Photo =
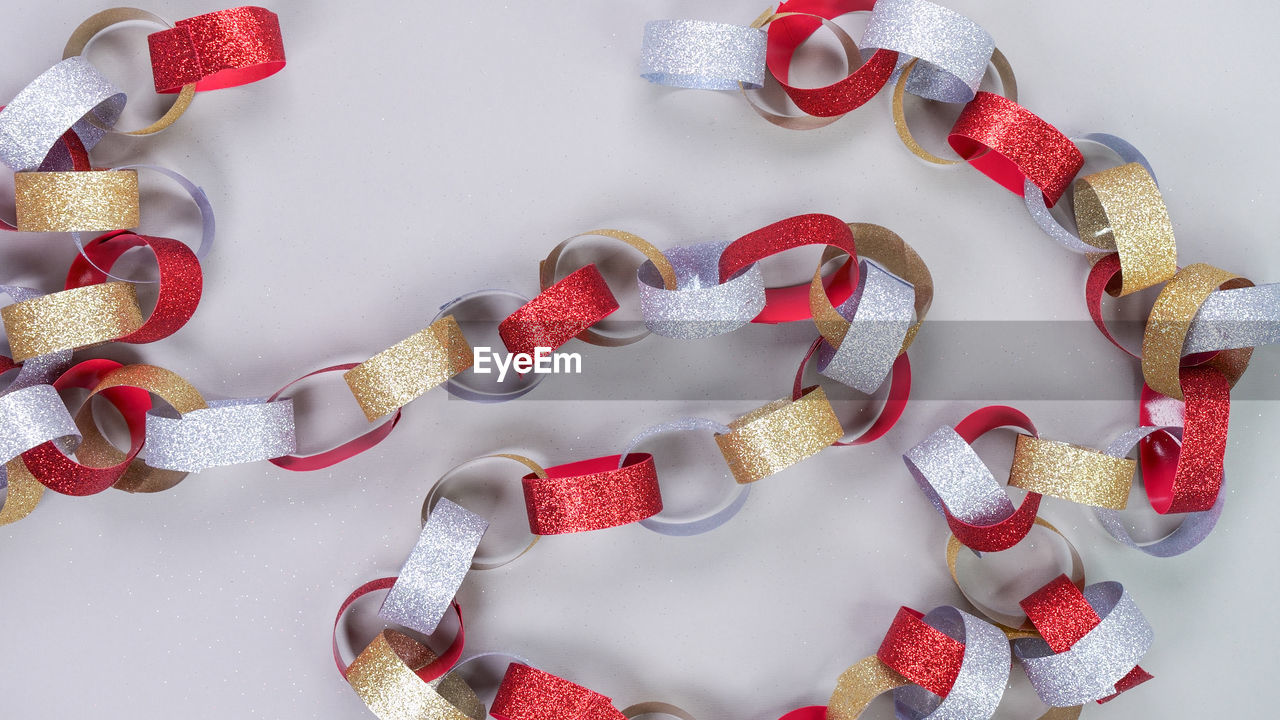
56 101
559 313
548 268
1009 144
702 523
22 492
1231 319
1121 209
217 50
437 492
894 405
863 682
979 681
907 78
457 385
527 693
76 201
100 21
700 306
38 370
778 435
33 416
180 278
879 314
383 678
1071 472
430 578
788 304
389 380
71 319
228 432
348 449
592 494
1100 645
703 55
954 50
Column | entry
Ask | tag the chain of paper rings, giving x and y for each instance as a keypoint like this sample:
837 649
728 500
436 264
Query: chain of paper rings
1077 643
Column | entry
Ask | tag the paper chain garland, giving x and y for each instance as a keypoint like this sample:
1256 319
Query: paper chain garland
1077 643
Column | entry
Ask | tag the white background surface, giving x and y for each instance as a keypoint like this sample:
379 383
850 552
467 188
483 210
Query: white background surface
412 152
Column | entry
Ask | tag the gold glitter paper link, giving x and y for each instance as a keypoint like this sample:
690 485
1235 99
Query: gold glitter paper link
24 492
863 682
1170 321
89 201
409 368
1121 209
71 319
1071 472
779 435
386 683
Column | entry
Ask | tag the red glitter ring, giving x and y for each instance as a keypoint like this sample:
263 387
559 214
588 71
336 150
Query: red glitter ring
592 494
217 50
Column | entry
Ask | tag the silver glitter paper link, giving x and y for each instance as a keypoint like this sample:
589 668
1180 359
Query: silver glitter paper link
54 102
984 672
30 417
700 306
1240 318
697 525
703 55
953 50
1091 668
952 475
228 432
1193 529
880 312
434 571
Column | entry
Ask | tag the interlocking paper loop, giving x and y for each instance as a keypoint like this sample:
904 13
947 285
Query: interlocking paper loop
217 50
592 494
701 306
228 432
60 99
1121 209
76 201
387 381
71 319
778 435
430 578
704 55
953 49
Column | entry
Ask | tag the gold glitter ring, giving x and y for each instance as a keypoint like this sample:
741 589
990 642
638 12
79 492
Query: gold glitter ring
547 274
1008 88
85 201
71 319
853 58
878 243
387 381
656 708
778 435
1013 627
1121 209
96 23
864 681
437 491
1170 320
23 494
384 678
1071 472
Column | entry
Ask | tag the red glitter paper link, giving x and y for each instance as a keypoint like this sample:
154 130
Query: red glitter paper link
592 495
1022 146
530 694
1063 616
181 281
1197 480
219 50
789 304
345 451
788 33
921 653
559 313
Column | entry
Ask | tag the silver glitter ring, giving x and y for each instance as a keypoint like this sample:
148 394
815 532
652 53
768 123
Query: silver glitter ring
437 494
33 416
228 432
703 55
461 385
880 313
701 306
953 50
58 100
436 567
984 672
1239 318
956 480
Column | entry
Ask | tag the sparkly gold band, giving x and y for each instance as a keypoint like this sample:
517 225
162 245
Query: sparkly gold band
409 368
1008 88
384 679
863 682
24 492
89 201
1121 209
779 435
71 319
1071 472
1170 320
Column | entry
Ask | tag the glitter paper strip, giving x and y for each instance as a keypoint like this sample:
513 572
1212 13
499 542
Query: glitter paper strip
76 201
32 416
382 678
880 314
592 495
217 50
228 432
347 450
778 435
71 319
530 694
907 78
895 402
41 370
1231 319
921 653
700 306
863 682
56 101
559 313
703 55
430 578
441 486
428 669
981 679
1071 472
1121 209
389 380
953 50
22 492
